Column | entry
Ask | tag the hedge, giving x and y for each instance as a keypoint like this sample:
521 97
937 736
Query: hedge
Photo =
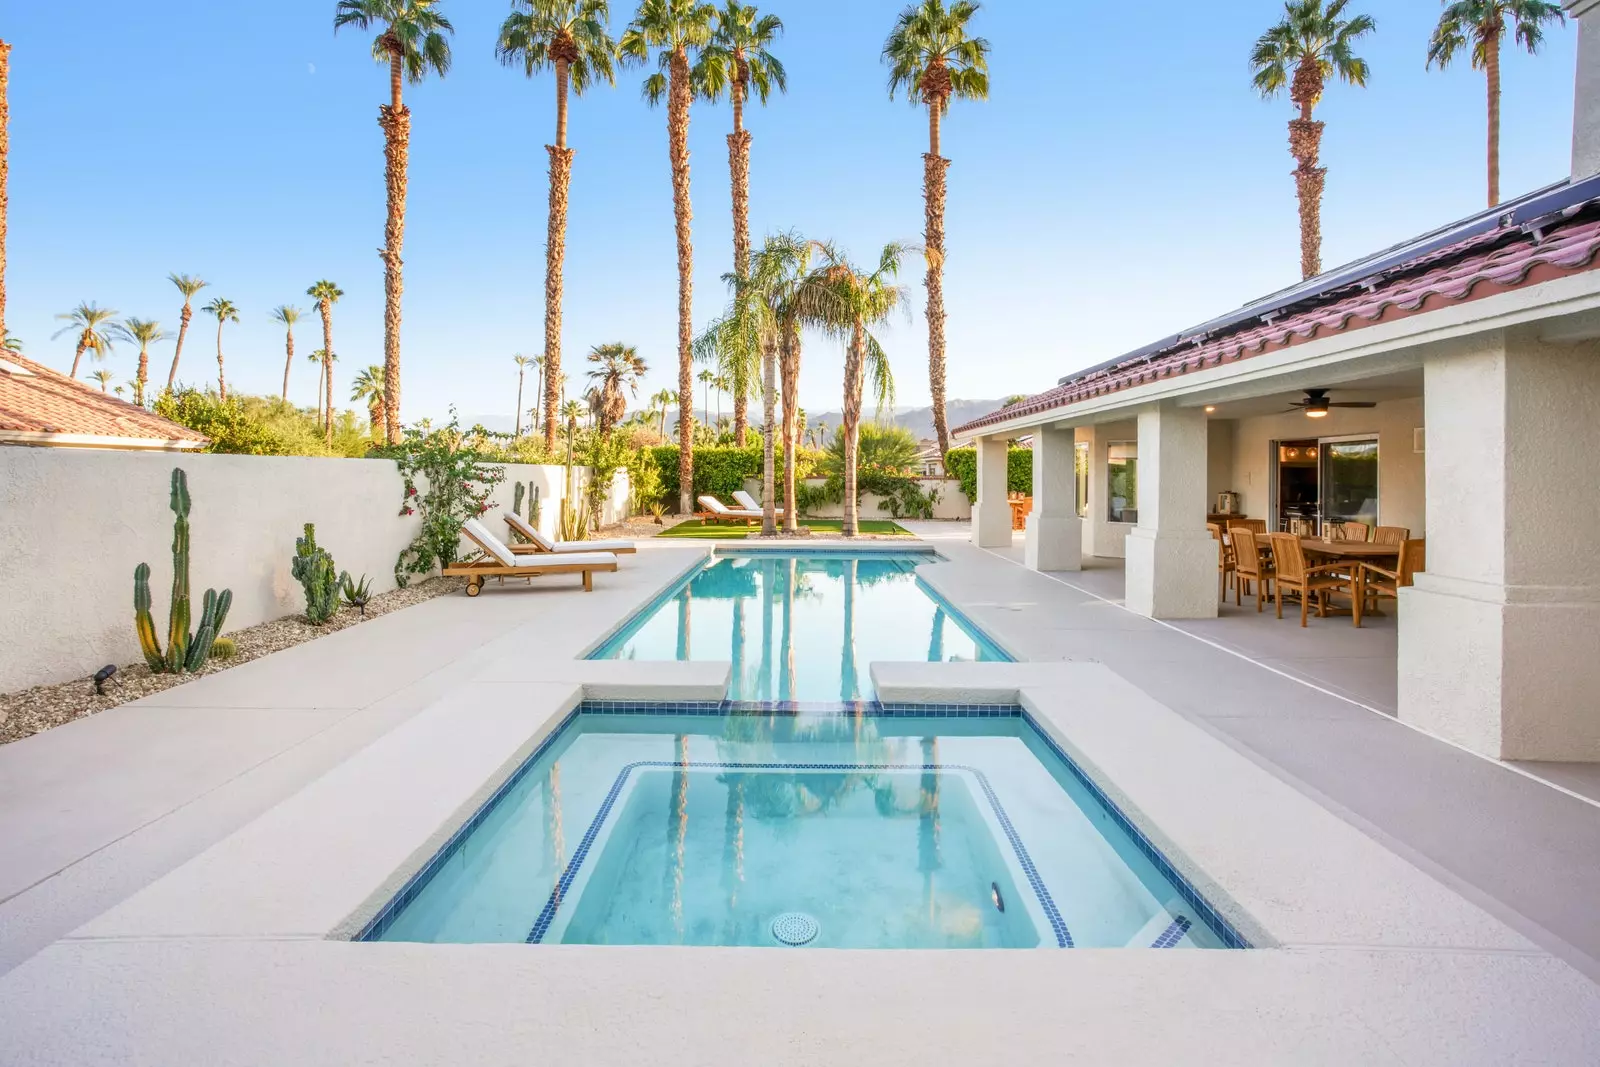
720 470
962 465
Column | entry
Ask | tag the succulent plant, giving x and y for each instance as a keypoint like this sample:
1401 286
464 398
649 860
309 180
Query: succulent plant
313 568
185 651
224 648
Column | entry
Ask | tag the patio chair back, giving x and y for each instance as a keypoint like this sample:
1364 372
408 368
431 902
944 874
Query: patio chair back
530 531
1246 553
1255 526
1288 558
1413 558
487 541
1390 535
1345 531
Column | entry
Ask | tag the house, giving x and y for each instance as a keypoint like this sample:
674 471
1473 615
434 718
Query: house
1473 354
42 407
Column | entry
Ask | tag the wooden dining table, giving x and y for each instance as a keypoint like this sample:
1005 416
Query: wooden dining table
1356 552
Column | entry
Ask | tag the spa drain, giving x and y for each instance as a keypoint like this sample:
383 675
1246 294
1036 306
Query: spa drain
795 928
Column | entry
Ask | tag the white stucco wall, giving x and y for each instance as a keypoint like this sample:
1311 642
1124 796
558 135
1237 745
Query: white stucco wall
1219 459
1401 495
74 523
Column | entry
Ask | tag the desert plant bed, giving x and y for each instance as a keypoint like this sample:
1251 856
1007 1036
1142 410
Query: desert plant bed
30 711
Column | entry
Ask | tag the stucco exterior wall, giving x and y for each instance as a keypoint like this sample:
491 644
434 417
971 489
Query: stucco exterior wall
1401 492
74 523
1101 537
1219 458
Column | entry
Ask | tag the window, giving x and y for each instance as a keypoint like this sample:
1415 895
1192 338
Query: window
1080 468
1122 481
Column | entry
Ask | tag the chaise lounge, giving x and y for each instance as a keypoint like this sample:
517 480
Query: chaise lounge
498 561
538 542
745 500
717 511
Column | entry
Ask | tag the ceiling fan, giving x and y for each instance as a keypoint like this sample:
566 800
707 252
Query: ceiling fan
1316 404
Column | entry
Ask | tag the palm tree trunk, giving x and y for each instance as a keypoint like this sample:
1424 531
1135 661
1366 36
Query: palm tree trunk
288 344
1305 141
327 405
538 399
769 368
933 188
853 361
222 379
183 330
143 376
395 119
325 375
517 432
322 368
739 169
5 170
678 99
1491 70
555 256
790 371
77 357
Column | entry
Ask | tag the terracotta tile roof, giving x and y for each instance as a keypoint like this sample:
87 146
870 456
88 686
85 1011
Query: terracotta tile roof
1480 266
44 402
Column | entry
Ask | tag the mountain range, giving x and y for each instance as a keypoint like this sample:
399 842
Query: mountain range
918 420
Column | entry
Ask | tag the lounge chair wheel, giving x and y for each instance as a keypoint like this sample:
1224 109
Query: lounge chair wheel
474 586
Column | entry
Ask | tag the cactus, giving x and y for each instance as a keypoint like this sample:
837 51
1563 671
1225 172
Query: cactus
185 652
516 499
534 507
313 568
224 648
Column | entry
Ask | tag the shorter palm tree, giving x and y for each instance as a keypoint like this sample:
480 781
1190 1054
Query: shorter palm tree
188 285
522 363
144 333
320 358
103 376
707 379
368 386
618 367
664 400
326 294
286 315
225 312
94 326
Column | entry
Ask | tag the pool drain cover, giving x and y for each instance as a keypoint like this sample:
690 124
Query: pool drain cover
795 928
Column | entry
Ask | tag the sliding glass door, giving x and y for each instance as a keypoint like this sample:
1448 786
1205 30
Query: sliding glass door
1350 480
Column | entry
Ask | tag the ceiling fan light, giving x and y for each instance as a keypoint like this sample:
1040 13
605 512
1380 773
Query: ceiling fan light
1316 413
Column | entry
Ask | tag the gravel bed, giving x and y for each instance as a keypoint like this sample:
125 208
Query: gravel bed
32 710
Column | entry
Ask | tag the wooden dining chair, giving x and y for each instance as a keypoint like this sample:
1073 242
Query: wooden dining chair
1225 565
1249 567
1294 575
1390 535
1255 526
1380 581
1345 531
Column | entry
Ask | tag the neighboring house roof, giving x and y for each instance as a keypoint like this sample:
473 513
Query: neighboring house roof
39 406
1545 235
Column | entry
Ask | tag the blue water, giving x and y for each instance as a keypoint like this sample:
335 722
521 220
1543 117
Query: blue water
802 627
889 831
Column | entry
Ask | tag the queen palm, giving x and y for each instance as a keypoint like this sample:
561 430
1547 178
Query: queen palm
571 37
286 316
1482 25
368 386
224 311
1313 42
144 333
522 362
103 376
327 294
672 28
860 301
738 62
933 57
95 329
188 285
412 40
617 367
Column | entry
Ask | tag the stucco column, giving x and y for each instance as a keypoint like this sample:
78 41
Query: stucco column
1055 533
1500 637
1586 90
1172 559
991 515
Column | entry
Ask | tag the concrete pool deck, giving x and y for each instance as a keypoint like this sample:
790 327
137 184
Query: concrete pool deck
181 865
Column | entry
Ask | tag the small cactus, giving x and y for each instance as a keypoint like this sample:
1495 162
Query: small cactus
516 499
224 648
313 568
185 651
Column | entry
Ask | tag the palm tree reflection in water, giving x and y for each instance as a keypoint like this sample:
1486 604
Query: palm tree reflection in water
936 637
677 829
849 686
928 858
555 840
786 662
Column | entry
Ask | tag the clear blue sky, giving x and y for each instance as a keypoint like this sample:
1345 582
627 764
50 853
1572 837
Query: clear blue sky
1122 182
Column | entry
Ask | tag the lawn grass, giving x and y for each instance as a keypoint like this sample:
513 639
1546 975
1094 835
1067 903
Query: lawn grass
696 529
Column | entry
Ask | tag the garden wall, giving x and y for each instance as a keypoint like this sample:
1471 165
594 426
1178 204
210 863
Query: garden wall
74 523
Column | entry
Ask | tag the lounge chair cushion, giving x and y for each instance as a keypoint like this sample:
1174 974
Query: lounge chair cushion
751 502
496 547
568 559
717 507
572 548
530 531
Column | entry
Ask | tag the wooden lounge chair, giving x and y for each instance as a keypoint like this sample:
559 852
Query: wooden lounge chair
498 561
750 503
538 542
717 511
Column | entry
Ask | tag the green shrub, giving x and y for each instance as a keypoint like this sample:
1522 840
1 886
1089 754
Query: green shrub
962 465
721 471
262 425
458 482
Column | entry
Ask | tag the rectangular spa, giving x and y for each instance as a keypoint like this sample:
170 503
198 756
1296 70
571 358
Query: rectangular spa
802 627
961 828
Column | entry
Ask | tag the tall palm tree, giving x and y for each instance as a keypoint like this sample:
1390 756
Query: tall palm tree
706 378
103 376
144 333
412 40
569 35
368 386
861 300
522 362
736 62
617 367
5 170
95 330
673 28
286 315
1312 43
225 312
327 294
1482 24
188 285
933 57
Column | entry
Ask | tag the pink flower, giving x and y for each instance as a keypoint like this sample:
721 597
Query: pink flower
411 491
408 511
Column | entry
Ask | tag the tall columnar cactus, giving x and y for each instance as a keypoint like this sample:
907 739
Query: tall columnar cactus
185 652
516 499
313 568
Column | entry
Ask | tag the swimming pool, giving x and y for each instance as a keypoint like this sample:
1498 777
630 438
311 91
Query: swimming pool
801 626
898 828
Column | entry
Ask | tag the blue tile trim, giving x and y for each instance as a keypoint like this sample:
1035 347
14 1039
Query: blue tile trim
1173 933
541 925
1224 930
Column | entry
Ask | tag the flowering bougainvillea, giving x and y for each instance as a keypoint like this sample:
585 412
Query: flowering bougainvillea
449 483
